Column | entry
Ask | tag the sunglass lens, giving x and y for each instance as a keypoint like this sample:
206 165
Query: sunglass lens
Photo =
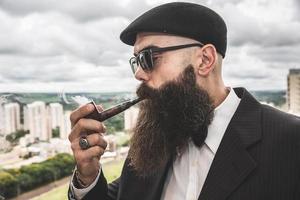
145 59
133 64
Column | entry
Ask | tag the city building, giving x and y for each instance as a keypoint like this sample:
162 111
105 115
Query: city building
59 119
56 115
36 119
66 129
130 118
2 119
293 91
12 121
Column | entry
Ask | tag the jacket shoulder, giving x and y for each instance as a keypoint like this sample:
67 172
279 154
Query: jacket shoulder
280 121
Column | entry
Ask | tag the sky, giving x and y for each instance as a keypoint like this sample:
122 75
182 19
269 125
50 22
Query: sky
74 46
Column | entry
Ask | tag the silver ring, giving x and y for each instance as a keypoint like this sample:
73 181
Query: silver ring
84 143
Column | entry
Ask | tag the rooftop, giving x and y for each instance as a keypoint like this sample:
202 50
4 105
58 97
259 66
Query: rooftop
294 71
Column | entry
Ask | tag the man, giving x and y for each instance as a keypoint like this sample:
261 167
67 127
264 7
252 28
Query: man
195 138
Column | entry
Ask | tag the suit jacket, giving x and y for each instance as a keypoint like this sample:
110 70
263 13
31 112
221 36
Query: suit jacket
258 159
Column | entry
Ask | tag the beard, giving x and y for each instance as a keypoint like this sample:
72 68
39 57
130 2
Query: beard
169 117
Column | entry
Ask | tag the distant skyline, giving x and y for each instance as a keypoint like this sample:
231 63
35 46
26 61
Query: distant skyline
74 46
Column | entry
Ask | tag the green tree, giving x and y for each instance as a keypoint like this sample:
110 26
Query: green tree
14 137
26 182
15 181
115 124
56 132
8 185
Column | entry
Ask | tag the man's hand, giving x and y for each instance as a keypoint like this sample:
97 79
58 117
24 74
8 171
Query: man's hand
87 161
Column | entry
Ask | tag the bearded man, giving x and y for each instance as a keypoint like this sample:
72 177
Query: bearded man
195 138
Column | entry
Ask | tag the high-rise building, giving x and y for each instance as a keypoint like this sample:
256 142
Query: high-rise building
130 118
11 118
293 93
36 119
65 131
56 116
59 119
2 119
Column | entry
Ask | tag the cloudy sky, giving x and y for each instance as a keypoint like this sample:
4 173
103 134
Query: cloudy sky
74 46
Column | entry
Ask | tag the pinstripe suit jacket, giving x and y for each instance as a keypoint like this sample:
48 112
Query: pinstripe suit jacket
258 159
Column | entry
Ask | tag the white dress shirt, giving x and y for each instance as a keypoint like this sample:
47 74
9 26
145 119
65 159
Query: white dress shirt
186 177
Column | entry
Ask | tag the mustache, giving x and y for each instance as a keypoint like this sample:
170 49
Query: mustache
187 77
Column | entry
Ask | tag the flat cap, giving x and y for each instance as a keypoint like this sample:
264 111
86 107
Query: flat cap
183 19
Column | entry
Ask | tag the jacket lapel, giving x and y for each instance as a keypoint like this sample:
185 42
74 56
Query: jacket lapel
232 162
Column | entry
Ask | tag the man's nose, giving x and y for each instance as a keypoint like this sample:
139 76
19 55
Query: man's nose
141 75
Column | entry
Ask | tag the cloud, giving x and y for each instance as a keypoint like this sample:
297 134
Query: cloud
296 9
50 45
281 54
54 34
62 73
252 23
81 10
42 69
244 68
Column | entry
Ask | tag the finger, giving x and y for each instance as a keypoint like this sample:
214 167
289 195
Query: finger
84 126
93 140
97 139
81 112
95 151
88 155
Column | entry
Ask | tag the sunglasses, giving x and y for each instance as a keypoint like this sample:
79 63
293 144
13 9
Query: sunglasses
145 58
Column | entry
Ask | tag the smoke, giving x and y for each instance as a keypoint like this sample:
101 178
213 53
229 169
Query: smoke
80 100
75 100
4 98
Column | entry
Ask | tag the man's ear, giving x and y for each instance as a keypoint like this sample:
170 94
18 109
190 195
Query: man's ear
207 61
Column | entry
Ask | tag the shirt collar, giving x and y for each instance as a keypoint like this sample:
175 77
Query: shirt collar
222 117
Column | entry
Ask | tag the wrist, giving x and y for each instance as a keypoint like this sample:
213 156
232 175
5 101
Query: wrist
83 182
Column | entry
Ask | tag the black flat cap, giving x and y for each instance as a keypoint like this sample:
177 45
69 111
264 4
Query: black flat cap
183 19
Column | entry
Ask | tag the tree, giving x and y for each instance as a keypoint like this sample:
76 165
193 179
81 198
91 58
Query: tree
115 123
16 181
14 137
8 185
56 132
